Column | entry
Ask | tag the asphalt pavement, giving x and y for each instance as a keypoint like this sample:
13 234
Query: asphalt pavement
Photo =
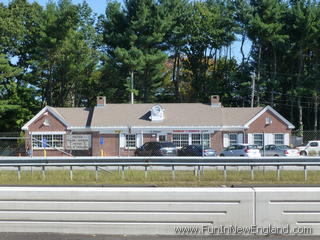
49 236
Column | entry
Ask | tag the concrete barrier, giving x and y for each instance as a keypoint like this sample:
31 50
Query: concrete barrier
158 211
297 207
147 211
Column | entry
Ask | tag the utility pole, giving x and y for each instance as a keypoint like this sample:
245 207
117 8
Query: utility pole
253 77
132 95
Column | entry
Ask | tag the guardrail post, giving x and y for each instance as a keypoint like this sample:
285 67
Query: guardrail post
278 172
252 173
145 172
173 173
19 173
43 170
225 172
97 173
305 173
71 174
122 175
199 172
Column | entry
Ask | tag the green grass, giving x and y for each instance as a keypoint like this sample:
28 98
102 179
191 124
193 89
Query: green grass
183 178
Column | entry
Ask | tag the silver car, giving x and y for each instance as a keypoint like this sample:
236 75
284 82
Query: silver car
279 150
241 150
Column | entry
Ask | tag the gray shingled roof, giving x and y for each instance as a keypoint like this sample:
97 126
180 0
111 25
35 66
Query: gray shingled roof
176 114
76 117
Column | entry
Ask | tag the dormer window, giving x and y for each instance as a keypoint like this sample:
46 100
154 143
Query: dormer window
157 113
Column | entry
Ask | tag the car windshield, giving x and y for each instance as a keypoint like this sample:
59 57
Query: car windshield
283 147
167 144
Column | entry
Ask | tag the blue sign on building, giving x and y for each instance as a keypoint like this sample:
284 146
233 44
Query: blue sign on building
44 142
101 140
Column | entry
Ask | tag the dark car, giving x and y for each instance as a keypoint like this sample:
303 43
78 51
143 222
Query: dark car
157 149
196 150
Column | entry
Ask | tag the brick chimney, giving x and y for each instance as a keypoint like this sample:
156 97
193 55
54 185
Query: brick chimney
215 101
101 101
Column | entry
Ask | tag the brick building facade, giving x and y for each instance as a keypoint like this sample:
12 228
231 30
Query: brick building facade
118 129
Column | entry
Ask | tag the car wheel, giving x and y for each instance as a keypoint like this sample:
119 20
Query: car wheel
276 155
303 153
221 155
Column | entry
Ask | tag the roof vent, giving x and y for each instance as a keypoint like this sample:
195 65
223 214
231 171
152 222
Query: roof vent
215 101
157 113
268 121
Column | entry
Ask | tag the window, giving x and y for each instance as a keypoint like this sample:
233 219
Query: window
36 141
206 140
47 141
196 139
162 138
313 144
130 140
258 139
180 140
233 138
199 139
233 147
57 141
279 139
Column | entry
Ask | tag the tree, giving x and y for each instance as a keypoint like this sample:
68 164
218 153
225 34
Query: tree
134 38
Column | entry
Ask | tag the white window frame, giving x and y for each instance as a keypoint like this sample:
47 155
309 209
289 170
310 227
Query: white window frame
202 138
275 140
262 139
50 142
196 138
133 143
181 142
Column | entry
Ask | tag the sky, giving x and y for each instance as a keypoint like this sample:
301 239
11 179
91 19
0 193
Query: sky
99 6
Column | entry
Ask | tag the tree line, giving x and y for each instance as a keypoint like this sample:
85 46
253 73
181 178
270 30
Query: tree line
64 55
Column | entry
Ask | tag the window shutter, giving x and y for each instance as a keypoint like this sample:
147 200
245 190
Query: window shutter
122 140
240 138
286 139
250 138
138 139
226 140
268 138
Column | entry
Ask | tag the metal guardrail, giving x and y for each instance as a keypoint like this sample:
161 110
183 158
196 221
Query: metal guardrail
172 162
159 161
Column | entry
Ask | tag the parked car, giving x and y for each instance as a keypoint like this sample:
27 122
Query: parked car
279 150
196 150
157 149
241 150
311 149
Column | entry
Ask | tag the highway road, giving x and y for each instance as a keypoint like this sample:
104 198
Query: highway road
49 236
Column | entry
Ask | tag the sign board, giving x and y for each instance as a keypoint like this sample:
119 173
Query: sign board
186 131
78 142
44 142
101 141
